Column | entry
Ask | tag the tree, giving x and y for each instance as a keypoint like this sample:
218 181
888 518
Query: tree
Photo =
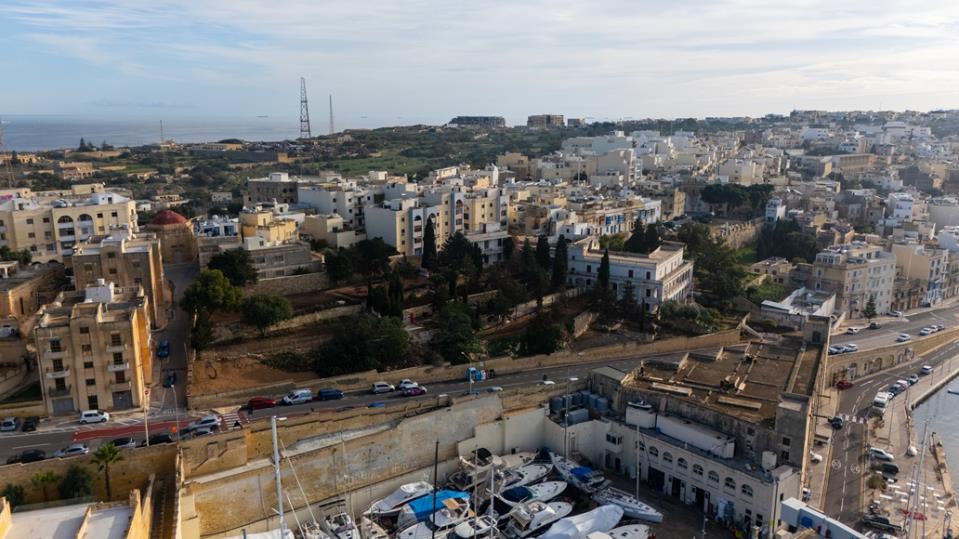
42 480
23 256
396 295
361 343
210 291
236 265
628 308
201 335
651 240
527 258
263 310
716 269
14 494
542 252
339 265
429 245
602 276
14 158
637 241
870 311
373 259
439 291
456 337
543 335
103 458
508 247
378 301
560 264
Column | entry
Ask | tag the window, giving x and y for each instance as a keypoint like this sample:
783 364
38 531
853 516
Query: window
87 364
92 402
682 463
589 269
58 365
91 382
614 439
714 477
640 446
118 358
55 345
697 469
115 339
786 441
630 274
653 452
31 235
46 219
29 221
667 457
121 377
86 348
747 490
784 455
730 483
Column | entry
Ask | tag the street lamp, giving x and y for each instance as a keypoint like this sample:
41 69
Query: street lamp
566 398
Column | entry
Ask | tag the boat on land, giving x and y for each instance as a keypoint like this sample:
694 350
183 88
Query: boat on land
524 475
602 519
953 391
420 509
632 506
505 501
586 479
632 531
483 527
441 523
340 526
530 518
392 504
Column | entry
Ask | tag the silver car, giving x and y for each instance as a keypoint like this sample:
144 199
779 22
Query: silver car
72 450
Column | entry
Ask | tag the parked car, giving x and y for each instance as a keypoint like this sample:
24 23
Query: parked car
852 347
547 383
72 450
158 439
836 422
903 337
890 468
881 522
30 424
381 387
202 431
259 403
836 350
93 416
897 314
853 330
875 325
9 424
127 442
881 454
376 404
169 379
329 394
843 384
816 458
912 379
414 391
896 389
163 349
211 421
494 389
298 396
940 327
926 331
29 455
926 369
406 383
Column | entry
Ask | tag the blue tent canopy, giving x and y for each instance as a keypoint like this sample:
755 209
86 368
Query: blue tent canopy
424 507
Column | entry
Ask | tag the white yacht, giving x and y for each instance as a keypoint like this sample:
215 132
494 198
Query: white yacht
581 477
632 531
524 475
632 506
340 526
483 527
441 523
534 517
391 505
602 519
506 500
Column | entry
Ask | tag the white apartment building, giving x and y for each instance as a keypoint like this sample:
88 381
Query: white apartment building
775 210
899 207
346 200
929 266
660 276
617 140
856 272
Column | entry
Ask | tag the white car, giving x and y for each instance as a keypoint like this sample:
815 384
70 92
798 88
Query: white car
406 383
211 421
853 331
897 314
72 450
926 331
547 383
93 416
836 350
926 369
816 458
881 454
381 387
851 347
903 337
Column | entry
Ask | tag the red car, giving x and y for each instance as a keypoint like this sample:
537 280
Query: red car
414 391
843 384
259 403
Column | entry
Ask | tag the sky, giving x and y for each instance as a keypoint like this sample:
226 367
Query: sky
408 61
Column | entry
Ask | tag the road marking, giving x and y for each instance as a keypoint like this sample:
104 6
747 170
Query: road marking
29 446
836 464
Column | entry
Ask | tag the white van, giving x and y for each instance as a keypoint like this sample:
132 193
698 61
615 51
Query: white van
879 403
93 416
298 396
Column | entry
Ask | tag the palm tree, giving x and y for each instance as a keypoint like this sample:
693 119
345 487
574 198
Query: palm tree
42 479
103 458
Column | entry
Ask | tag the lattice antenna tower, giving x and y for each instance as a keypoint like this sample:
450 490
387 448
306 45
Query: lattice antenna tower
304 111
331 115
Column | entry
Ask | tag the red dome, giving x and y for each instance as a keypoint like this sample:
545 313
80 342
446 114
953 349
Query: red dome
167 217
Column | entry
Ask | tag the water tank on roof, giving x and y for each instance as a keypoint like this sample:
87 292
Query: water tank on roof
578 416
602 405
555 404
769 460
591 400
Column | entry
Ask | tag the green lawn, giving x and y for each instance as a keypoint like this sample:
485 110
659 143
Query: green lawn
745 255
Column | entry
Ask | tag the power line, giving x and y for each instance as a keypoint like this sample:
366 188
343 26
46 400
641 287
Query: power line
304 112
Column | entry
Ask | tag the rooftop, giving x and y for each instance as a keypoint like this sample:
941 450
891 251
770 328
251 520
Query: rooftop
168 217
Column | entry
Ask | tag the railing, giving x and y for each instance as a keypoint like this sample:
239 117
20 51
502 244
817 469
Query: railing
54 373
117 367
116 348
51 354
120 386
54 392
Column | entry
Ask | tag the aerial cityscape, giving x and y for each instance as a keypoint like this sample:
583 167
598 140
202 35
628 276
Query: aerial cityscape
472 309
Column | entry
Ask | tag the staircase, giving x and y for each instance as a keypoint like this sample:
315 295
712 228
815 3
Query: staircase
164 509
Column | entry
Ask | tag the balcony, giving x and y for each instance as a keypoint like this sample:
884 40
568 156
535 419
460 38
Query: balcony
117 367
120 386
54 374
53 392
116 348
54 354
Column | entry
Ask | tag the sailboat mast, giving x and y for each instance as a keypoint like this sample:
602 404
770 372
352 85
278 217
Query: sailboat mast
436 469
276 472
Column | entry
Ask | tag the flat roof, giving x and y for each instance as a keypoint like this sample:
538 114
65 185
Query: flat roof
109 522
51 523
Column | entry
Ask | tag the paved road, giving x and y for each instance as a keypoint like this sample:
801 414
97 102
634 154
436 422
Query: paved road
844 489
869 339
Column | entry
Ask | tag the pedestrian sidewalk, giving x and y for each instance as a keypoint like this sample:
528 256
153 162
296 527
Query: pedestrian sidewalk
818 476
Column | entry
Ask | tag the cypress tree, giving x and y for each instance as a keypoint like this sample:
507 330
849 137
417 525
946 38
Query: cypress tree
542 252
560 264
602 280
651 238
429 246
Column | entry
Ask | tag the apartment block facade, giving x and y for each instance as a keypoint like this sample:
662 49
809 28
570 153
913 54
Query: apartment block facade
855 272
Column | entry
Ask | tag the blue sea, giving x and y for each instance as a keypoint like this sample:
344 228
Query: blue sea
939 411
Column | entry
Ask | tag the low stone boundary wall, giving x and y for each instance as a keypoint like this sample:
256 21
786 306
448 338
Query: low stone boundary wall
857 364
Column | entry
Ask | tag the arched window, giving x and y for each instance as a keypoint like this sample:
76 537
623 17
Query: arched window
747 490
667 457
697 469
65 219
730 483
653 452
714 477
682 463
